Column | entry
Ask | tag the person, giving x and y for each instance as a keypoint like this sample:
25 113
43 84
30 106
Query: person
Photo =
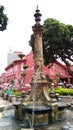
8 92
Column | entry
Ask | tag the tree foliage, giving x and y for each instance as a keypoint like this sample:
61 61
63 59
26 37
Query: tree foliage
57 42
3 19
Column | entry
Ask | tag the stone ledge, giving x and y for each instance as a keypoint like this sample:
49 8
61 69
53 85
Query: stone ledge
66 98
26 129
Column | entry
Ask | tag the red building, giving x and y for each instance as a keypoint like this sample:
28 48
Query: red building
15 72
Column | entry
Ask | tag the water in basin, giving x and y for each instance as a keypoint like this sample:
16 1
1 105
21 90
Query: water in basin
8 121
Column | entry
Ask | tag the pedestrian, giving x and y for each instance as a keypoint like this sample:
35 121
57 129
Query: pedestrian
8 92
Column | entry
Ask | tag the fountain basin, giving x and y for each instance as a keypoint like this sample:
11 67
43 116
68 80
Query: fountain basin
37 110
62 105
43 114
62 110
37 115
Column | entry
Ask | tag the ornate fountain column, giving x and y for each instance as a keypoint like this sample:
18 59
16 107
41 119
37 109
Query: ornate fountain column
38 107
39 82
38 48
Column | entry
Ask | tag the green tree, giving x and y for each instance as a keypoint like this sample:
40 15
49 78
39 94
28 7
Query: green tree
3 19
57 42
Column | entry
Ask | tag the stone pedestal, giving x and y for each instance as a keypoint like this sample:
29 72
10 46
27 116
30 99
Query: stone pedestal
54 113
54 107
18 98
61 114
12 98
20 115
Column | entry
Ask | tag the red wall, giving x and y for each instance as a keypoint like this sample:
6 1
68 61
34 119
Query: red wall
57 68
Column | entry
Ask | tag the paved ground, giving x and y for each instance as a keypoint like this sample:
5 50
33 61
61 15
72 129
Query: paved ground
4 104
2 101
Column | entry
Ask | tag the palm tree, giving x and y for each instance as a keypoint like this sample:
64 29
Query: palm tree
21 56
23 73
12 81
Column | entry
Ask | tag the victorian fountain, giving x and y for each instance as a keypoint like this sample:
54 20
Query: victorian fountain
39 109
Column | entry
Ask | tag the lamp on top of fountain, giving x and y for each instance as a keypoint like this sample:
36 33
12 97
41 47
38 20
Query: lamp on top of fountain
37 15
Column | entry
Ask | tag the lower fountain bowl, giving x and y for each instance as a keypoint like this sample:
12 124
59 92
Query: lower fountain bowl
40 115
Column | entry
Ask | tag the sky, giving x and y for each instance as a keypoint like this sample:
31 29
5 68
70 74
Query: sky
20 15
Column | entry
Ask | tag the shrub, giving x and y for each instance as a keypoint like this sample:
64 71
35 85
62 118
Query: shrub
64 91
16 93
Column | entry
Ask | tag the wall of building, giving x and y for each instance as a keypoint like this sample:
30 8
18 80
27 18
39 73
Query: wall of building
57 68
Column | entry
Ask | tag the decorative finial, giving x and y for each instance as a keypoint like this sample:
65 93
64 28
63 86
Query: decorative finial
37 7
37 15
